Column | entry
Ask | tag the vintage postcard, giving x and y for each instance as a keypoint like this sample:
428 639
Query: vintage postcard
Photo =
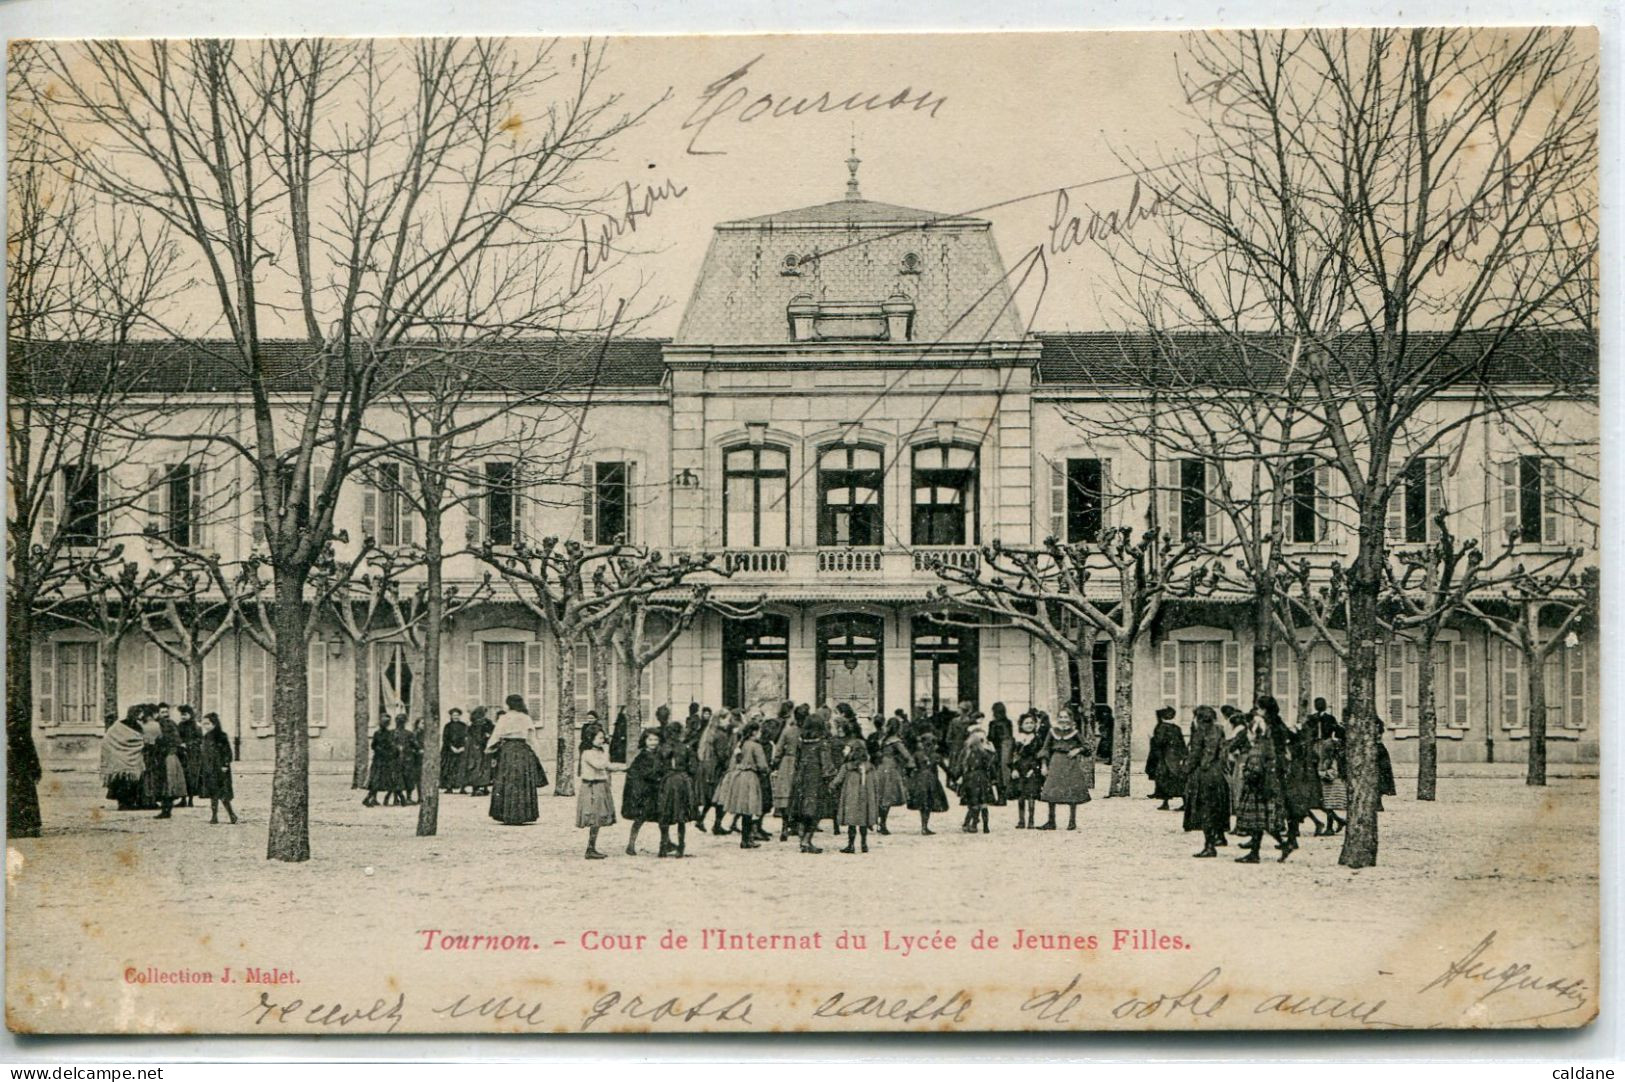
1043 531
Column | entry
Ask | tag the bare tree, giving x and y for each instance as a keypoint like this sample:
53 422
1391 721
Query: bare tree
440 206
1399 209
1050 593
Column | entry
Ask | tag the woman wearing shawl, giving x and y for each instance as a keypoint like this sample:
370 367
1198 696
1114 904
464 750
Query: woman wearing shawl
816 767
517 773
1207 791
1071 769
123 761
215 769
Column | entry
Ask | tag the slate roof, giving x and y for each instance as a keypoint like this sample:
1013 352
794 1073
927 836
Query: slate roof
213 366
959 290
1114 359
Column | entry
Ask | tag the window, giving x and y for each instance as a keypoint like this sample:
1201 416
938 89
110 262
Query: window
77 678
946 477
755 497
82 506
1417 500
172 498
1531 498
504 674
501 510
1203 672
1566 681
389 513
1083 501
1305 501
606 507
849 496
1187 503
1402 665
756 662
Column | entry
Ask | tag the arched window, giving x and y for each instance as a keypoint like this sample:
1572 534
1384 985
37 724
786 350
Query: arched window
755 497
946 477
850 507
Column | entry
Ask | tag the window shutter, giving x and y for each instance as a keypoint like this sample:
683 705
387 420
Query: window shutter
406 505
1232 672
316 684
1325 504
1282 681
153 658
1107 519
1458 684
48 507
1170 499
1215 528
257 504
45 682
1436 502
474 506
318 482
101 493
1396 654
211 683
631 503
472 671
1396 504
1170 676
1509 497
582 659
589 506
1057 500
1551 501
202 529
1575 716
369 505
259 714
533 678
532 505
157 490
1511 689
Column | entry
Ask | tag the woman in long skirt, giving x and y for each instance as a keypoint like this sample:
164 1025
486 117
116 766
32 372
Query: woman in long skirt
676 790
595 808
173 782
1070 766
1207 791
925 792
1165 765
784 768
1259 811
516 775
124 760
739 793
191 734
214 769
640 797
810 793
381 772
891 777
857 808
476 765
1334 786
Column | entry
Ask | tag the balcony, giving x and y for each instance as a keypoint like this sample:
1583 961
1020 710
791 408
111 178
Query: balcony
850 561
756 561
963 557
829 565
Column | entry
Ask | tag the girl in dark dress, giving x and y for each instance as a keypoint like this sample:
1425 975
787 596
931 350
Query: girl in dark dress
1069 771
978 763
1259 809
858 806
617 737
1165 765
1000 731
381 774
453 747
476 764
214 769
816 767
1026 770
677 802
191 734
172 778
1207 790
785 749
740 792
891 777
640 799
925 792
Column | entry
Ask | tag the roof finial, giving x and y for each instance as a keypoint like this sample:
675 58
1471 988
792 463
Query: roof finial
852 164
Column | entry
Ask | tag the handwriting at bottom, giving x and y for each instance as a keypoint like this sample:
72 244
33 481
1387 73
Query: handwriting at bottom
932 1008
1500 977
330 1014
710 1008
506 1009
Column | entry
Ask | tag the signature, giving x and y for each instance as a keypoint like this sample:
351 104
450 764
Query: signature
1497 977
595 251
710 1007
896 1009
1068 230
729 96
329 1014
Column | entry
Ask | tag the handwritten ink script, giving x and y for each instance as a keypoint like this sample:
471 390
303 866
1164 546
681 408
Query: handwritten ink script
1479 969
595 250
728 98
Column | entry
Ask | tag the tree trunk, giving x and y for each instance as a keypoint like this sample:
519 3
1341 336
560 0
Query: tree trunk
1300 661
1427 725
22 758
634 712
603 656
1264 651
289 837
1123 722
1063 680
564 782
109 660
1364 583
362 722
429 784
194 678
1534 664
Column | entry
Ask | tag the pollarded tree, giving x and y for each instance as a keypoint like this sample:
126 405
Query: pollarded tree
1065 595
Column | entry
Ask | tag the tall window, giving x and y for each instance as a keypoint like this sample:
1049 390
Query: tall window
945 483
82 505
77 677
1079 501
850 510
1193 509
1531 498
397 518
1417 500
756 662
176 504
501 503
755 497
611 502
504 675
1305 501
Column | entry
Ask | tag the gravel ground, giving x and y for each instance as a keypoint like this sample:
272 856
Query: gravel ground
107 892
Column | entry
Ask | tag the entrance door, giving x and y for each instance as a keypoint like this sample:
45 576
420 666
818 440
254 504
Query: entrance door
849 661
756 663
945 669
394 668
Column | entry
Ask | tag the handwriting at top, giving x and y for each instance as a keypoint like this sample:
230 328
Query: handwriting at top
728 98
